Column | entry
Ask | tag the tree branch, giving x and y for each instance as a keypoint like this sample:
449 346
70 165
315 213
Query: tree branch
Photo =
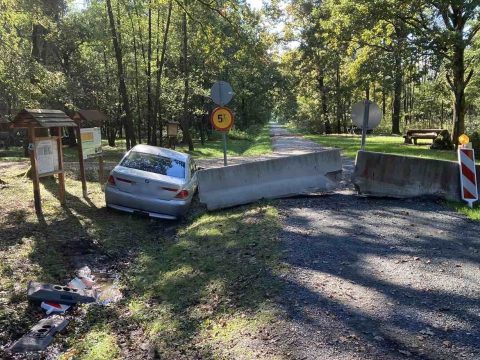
449 80
469 77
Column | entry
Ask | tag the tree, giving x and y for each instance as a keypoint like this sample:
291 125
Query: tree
449 28
122 88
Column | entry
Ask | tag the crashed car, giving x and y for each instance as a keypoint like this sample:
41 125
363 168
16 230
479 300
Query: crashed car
152 181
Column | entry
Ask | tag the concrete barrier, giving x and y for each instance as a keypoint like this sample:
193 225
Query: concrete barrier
282 177
379 174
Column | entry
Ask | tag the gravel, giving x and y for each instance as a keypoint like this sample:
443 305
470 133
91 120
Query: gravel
371 278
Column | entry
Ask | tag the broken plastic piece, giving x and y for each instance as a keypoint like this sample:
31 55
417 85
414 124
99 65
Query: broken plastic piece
109 293
59 294
40 336
85 271
81 283
52 307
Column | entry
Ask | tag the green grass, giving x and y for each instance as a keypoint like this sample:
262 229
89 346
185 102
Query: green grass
473 213
350 144
238 144
188 293
213 282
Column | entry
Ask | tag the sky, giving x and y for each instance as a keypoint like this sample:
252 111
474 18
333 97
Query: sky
255 4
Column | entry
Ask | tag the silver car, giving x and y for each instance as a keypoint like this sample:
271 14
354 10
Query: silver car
152 181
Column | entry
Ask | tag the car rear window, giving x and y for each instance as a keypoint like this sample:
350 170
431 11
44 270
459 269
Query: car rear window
155 164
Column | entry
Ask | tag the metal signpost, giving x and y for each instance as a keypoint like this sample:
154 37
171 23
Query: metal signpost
221 93
222 118
366 115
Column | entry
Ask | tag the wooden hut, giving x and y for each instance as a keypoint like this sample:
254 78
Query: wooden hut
45 146
89 118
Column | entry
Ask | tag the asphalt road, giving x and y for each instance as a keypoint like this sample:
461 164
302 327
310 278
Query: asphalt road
373 278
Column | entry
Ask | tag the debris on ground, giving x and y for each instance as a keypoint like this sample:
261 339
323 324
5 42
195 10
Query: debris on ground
41 335
59 294
59 299
109 294
53 307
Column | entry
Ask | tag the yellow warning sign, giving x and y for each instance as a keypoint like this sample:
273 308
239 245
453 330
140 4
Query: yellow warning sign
222 118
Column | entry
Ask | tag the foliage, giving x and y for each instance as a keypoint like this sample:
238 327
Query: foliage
442 141
56 56
406 56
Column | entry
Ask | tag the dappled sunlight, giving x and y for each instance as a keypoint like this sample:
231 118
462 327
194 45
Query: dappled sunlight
401 278
214 274
99 343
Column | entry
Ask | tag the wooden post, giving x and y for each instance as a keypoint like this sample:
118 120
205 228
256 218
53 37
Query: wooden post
101 175
81 162
35 178
61 174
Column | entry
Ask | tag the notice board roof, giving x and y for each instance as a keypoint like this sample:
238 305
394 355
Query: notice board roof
89 118
42 118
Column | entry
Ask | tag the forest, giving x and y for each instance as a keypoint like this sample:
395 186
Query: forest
303 62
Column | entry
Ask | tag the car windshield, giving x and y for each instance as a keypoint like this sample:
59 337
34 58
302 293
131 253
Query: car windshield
154 164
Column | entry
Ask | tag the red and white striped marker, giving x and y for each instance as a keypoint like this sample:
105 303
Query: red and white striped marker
468 175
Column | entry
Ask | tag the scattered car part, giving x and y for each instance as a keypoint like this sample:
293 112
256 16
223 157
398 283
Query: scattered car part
53 307
40 336
59 294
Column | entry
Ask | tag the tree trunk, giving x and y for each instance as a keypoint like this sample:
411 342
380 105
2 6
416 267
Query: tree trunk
185 119
149 76
458 69
339 99
397 94
110 129
160 64
323 97
137 86
122 88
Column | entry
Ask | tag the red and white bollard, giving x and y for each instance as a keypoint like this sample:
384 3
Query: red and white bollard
468 174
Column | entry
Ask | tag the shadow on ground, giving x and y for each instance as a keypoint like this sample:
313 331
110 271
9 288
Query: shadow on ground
377 278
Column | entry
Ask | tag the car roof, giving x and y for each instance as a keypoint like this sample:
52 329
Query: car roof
155 150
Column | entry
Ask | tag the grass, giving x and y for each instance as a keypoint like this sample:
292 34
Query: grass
244 145
473 213
191 290
238 144
350 144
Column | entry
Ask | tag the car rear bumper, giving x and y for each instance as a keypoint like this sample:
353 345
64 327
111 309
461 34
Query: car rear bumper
162 209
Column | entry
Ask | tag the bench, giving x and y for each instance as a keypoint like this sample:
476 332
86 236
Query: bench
416 134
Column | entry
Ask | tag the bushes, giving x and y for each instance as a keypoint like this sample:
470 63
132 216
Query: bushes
475 140
443 141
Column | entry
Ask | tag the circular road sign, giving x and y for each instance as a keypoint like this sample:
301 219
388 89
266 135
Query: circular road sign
374 114
222 118
221 93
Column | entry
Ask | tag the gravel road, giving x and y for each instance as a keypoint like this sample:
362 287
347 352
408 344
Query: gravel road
377 278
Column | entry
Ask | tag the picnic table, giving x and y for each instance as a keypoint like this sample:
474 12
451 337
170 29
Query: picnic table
415 134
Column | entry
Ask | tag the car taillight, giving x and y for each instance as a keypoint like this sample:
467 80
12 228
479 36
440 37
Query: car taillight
111 180
182 194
